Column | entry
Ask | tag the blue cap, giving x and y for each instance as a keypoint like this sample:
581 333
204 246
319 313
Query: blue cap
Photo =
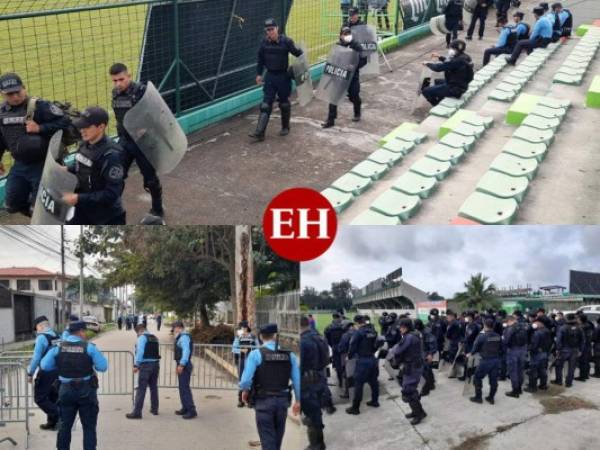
270 328
76 326
73 318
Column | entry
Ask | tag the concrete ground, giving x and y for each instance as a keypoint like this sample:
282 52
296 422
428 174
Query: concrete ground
220 425
560 419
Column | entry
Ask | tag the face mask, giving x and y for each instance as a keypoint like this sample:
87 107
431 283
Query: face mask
534 326
347 39
451 53
467 320
240 332
504 325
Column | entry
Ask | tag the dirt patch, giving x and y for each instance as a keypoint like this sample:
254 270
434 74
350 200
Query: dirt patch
479 442
553 390
557 405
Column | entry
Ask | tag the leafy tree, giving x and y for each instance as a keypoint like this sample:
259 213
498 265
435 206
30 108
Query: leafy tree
478 295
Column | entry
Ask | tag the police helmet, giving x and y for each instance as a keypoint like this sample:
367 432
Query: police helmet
419 325
358 318
346 324
405 323
458 45
353 12
393 315
384 314
570 317
434 312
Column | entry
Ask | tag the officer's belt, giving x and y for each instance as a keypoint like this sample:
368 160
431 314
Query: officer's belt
311 376
261 393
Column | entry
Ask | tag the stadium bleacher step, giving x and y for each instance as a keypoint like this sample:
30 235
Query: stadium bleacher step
592 98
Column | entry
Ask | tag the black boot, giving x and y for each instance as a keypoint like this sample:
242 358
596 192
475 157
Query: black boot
514 394
419 413
477 397
315 439
356 105
286 114
490 399
240 404
331 116
154 188
263 121
354 409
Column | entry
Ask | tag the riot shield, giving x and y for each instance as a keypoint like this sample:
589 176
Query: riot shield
454 367
49 208
366 36
472 363
350 367
301 73
337 75
469 6
437 25
155 130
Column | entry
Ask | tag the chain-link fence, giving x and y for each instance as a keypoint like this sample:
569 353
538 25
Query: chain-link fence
282 309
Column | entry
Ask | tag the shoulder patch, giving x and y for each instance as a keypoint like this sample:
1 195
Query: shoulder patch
56 110
116 173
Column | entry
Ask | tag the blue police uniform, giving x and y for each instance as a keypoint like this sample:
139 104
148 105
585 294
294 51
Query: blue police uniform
268 372
333 334
541 343
514 341
147 361
183 357
472 330
480 13
596 348
122 102
314 384
541 36
570 342
586 354
502 44
363 345
454 336
76 360
27 150
429 349
438 329
45 394
488 345
343 348
100 173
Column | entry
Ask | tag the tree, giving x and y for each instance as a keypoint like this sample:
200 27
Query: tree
477 295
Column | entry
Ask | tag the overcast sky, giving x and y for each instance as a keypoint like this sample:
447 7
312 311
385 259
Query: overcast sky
18 254
441 258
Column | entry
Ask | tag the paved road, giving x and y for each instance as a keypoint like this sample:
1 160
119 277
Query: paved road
220 424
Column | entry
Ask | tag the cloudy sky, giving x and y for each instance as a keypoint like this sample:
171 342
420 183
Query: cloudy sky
36 246
441 258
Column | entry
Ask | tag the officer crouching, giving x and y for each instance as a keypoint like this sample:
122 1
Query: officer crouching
76 360
100 173
267 374
26 126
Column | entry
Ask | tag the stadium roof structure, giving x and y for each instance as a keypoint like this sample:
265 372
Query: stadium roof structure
400 295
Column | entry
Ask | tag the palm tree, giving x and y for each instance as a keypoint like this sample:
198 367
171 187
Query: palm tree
477 295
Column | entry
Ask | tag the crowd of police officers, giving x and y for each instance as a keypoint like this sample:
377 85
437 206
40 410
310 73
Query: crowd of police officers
473 345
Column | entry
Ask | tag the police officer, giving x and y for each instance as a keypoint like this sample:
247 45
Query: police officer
472 330
540 37
384 323
480 13
353 18
267 373
458 73
242 344
539 349
488 345
563 24
585 359
454 335
273 56
313 385
126 93
333 334
569 343
363 345
184 348
26 126
509 35
45 395
158 319
76 361
429 349
596 349
146 365
354 88
344 348
514 341
100 173
392 335
453 15
438 328
409 352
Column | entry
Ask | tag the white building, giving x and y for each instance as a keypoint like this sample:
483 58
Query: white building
33 280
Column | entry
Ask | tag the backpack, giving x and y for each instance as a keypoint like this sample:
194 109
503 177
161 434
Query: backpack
71 135
323 349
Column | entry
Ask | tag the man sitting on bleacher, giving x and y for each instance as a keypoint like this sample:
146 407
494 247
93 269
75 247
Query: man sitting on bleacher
509 36
563 22
540 37
458 73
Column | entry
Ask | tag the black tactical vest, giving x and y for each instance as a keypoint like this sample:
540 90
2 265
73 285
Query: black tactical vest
492 346
545 341
89 166
73 360
247 341
12 124
272 377
151 348
519 336
335 333
51 338
276 54
366 347
572 337
178 352
123 102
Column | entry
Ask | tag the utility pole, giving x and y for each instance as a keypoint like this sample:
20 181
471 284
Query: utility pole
245 308
80 271
62 284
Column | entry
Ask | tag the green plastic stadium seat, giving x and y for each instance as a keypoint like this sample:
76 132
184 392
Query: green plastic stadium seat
515 81
524 149
520 108
477 120
406 126
399 146
451 102
571 72
397 204
503 186
515 166
338 199
430 167
541 123
534 135
444 153
544 111
489 210
457 141
412 183
352 184
502 96
551 102
520 74
370 169
592 99
383 156
412 136
370 217
442 111
465 129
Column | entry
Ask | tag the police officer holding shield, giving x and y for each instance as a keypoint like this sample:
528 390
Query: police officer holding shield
26 125
266 384
147 366
44 392
273 56
333 334
125 95
99 170
76 362
184 349
363 345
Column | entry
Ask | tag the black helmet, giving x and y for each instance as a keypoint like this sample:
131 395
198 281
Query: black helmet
393 315
384 313
434 312
544 6
419 325
346 30
352 11
458 45
538 11
358 318
406 323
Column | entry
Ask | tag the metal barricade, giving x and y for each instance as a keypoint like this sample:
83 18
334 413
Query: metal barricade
15 396
119 379
214 367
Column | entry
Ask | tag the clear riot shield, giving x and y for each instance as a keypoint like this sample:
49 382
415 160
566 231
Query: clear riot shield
337 74
366 36
437 25
302 78
49 208
155 130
